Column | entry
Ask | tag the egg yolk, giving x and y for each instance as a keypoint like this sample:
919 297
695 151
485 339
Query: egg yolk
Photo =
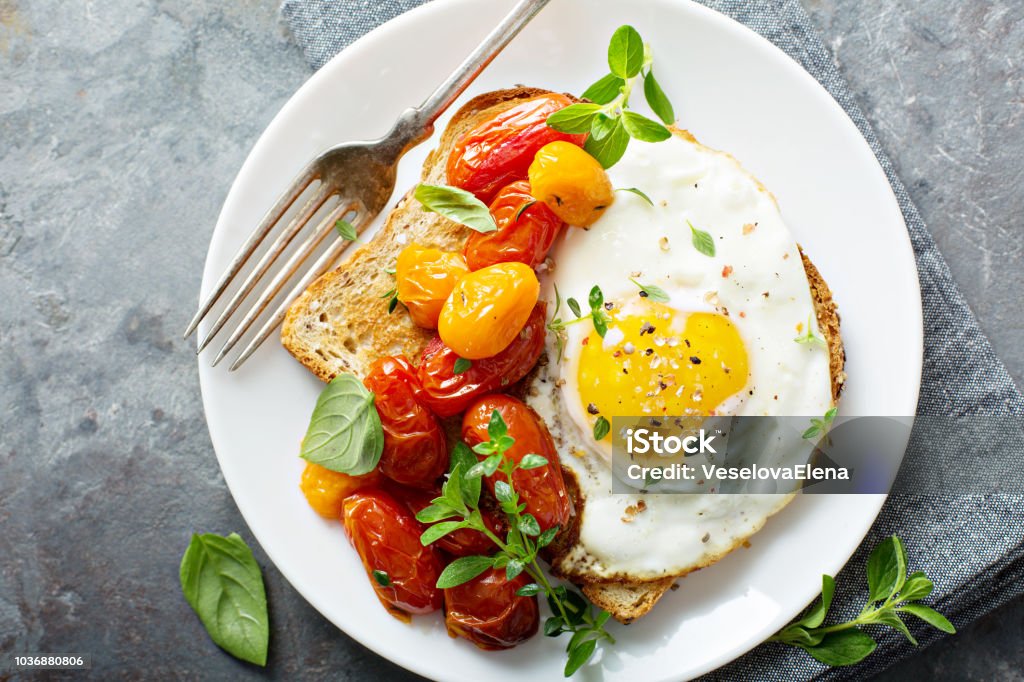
661 362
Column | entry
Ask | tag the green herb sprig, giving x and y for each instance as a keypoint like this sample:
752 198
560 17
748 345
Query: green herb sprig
811 338
891 593
702 241
458 507
347 230
820 427
637 191
607 116
598 315
651 292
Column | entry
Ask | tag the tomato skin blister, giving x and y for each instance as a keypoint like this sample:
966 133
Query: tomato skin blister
326 490
526 230
387 538
487 611
415 448
424 279
542 489
500 150
448 394
487 310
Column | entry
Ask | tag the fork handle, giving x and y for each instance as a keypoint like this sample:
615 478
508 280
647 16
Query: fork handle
417 123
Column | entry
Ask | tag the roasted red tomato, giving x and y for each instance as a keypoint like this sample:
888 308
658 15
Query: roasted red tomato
487 611
415 448
402 571
500 150
542 489
447 393
465 541
524 235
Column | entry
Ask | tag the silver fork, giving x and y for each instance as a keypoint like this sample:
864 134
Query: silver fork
357 179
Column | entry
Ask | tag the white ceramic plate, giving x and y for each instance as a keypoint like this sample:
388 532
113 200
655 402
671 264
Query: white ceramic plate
736 92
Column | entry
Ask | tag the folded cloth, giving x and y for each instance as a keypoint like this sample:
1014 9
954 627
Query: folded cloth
971 546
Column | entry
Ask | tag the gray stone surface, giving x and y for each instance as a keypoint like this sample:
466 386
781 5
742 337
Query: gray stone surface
122 124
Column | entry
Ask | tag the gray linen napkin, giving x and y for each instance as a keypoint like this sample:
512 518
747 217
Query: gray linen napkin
972 546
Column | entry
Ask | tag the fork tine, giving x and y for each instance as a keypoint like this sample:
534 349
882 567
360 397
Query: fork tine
294 227
322 265
323 230
284 202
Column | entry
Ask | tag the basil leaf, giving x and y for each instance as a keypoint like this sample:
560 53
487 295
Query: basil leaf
439 530
382 578
702 241
457 205
575 118
884 570
462 570
930 616
625 52
223 585
462 365
601 428
345 432
845 647
643 128
464 459
528 590
574 306
609 148
346 230
580 655
532 461
637 192
605 89
657 99
918 586
815 616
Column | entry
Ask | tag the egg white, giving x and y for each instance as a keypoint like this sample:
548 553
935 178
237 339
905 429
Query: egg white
668 534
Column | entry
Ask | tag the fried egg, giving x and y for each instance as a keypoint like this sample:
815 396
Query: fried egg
688 333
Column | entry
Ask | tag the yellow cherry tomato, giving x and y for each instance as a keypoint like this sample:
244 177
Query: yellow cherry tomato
326 490
425 278
487 309
571 182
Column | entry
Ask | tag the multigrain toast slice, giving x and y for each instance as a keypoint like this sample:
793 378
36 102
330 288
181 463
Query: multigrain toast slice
341 323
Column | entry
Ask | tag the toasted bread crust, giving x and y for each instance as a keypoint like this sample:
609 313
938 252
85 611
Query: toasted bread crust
341 322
